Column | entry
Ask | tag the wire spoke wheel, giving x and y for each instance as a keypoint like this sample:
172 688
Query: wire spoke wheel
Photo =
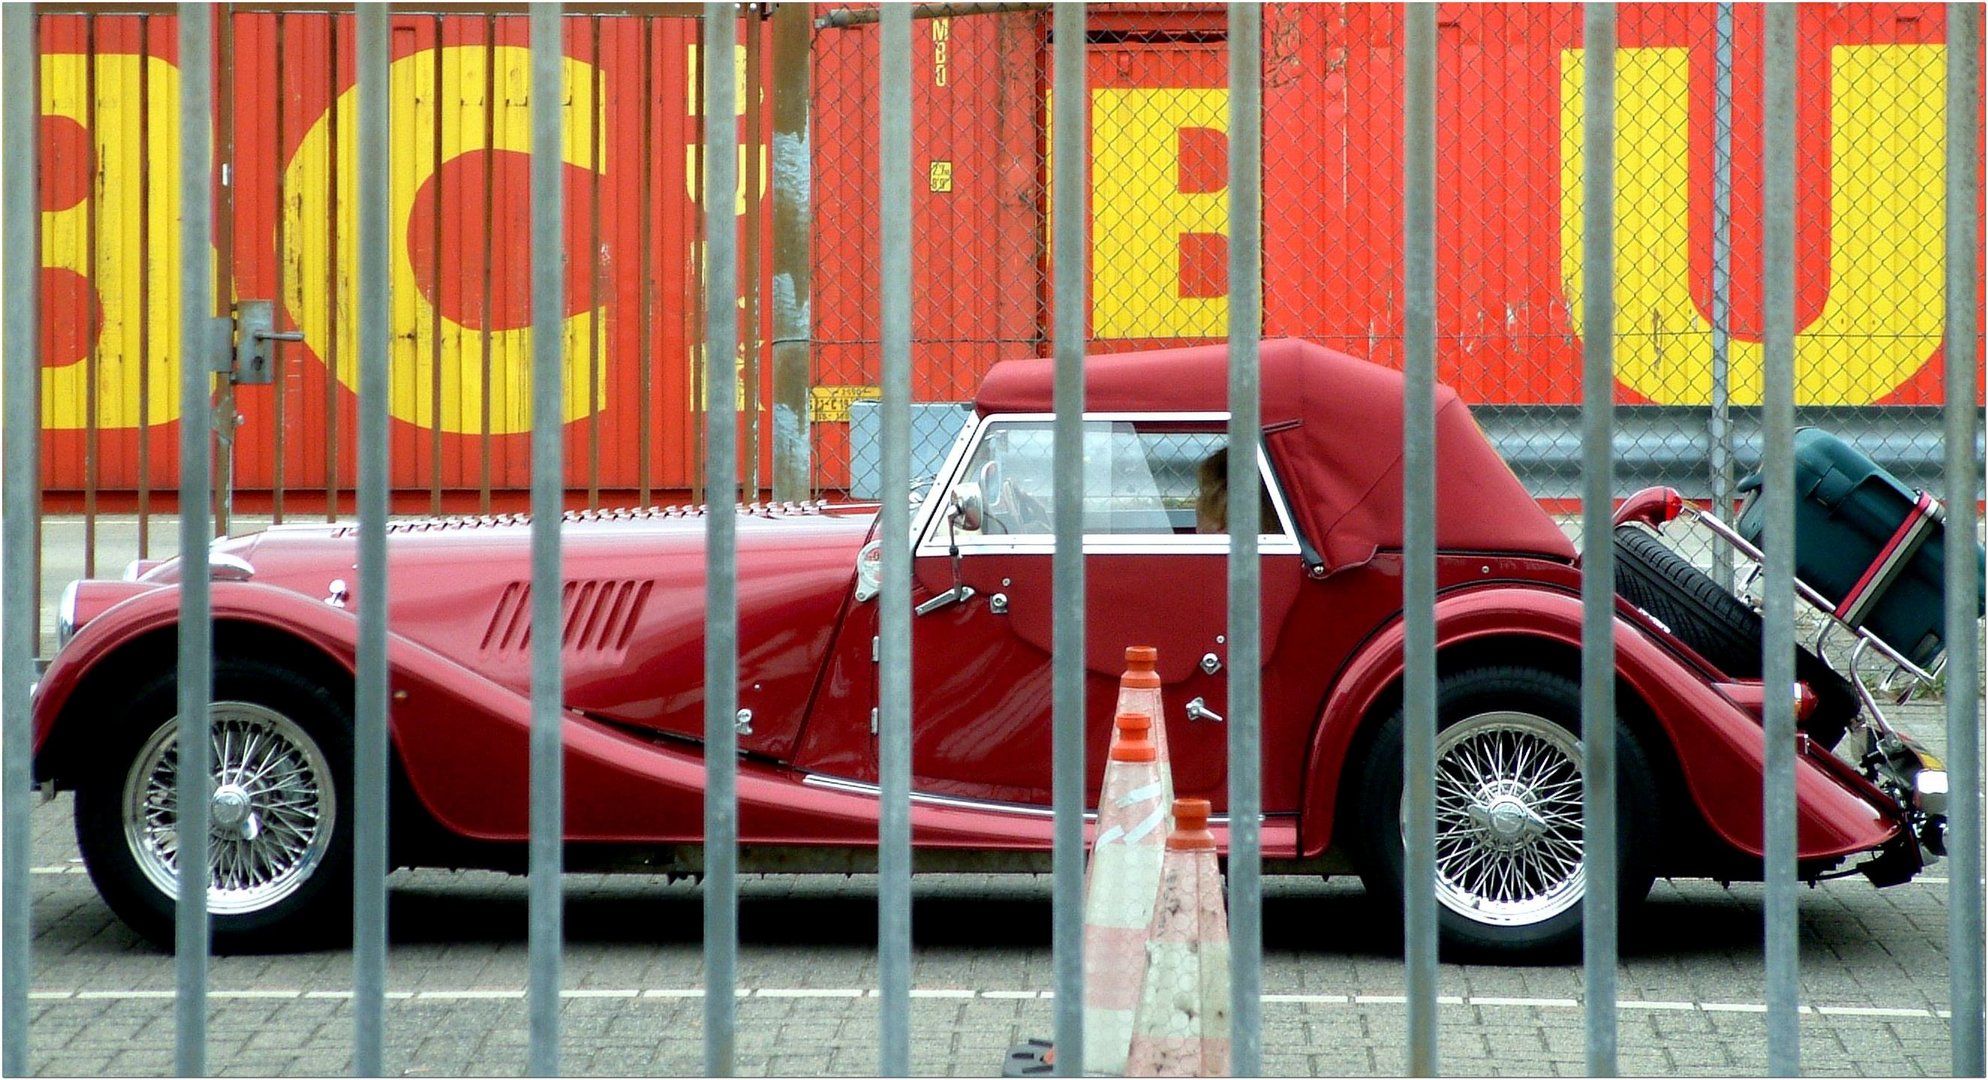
272 807
1508 819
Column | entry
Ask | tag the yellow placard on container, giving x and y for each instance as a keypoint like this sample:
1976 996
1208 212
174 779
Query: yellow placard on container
831 403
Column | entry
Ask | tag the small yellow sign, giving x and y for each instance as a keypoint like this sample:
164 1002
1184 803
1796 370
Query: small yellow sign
942 176
942 32
831 403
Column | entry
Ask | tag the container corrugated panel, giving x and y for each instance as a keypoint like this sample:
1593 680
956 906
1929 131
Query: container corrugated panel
1869 283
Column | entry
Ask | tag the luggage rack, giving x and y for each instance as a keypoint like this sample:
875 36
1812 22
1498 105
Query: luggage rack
1834 618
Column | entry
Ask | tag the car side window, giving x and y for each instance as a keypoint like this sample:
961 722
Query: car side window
1141 478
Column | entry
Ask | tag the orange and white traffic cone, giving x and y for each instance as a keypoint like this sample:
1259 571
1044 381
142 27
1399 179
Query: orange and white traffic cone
1122 888
1182 1027
1139 692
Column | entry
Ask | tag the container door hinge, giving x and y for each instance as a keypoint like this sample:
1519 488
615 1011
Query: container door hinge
873 722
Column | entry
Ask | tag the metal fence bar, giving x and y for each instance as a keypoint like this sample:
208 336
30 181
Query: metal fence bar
1965 959
22 436
1070 152
751 265
1778 495
793 229
1245 571
894 603
1418 584
1599 936
1720 428
369 744
94 359
196 630
721 464
548 201
145 293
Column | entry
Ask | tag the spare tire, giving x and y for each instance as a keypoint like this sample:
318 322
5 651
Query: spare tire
1719 626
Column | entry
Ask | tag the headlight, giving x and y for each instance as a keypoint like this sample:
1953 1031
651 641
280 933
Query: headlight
1929 790
65 616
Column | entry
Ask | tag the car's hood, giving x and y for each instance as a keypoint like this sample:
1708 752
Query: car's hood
634 598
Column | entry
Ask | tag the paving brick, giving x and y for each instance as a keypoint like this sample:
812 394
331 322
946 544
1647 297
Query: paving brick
1862 947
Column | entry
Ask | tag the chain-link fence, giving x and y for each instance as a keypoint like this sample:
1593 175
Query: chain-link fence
1869 305
1871 109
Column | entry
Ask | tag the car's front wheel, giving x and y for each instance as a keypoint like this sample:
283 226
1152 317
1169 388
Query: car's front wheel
1510 874
279 870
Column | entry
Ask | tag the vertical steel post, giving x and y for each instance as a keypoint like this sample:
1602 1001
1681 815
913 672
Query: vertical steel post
721 465
199 346
1965 959
548 781
22 434
1778 494
369 744
144 254
1418 586
1720 428
226 424
1245 571
1599 914
793 228
751 267
1070 154
894 603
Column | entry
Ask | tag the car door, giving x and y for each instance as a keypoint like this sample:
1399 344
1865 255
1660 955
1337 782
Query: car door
982 684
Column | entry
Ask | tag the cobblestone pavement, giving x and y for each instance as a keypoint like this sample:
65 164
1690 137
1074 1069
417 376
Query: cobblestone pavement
1874 978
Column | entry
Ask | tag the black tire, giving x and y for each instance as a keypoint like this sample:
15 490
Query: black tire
1721 627
1475 709
298 767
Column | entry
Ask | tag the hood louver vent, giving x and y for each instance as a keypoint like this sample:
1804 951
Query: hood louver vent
643 513
597 616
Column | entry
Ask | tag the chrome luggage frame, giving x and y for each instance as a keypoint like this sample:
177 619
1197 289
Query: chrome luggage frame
1867 642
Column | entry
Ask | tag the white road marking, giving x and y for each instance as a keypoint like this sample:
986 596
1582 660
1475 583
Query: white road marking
962 994
1861 1010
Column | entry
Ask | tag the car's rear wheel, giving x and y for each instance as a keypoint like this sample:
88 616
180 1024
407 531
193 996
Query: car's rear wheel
279 841
1510 876
1721 627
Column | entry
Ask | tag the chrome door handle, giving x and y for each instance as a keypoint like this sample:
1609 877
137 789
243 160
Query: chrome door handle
958 594
1198 710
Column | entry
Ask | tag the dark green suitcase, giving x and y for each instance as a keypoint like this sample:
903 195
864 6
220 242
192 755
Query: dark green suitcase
1872 546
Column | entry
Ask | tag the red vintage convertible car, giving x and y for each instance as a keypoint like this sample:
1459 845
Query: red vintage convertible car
1508 618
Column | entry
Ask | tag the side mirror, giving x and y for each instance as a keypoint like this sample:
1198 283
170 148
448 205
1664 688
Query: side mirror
968 512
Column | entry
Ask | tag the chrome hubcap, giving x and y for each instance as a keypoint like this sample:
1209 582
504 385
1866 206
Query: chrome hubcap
271 808
1508 819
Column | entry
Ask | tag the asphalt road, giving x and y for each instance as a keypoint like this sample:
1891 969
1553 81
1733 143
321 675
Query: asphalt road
1874 974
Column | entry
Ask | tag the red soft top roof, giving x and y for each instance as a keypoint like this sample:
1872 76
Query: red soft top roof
1333 424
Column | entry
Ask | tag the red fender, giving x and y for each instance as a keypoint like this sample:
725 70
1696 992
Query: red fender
464 743
1717 742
